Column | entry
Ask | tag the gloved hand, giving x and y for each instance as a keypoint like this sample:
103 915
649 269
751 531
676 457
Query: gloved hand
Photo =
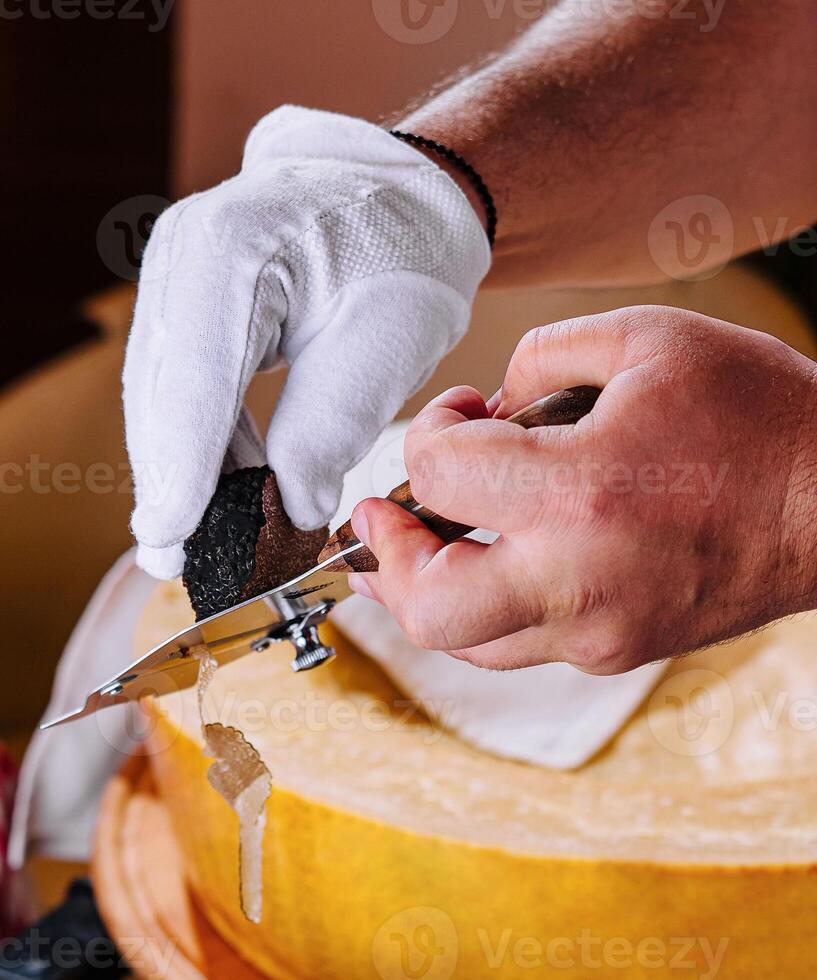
337 249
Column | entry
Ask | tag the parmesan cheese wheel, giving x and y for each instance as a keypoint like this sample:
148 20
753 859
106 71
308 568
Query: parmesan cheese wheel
688 848
392 850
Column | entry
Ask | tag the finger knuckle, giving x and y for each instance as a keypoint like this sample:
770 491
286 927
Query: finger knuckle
606 653
539 340
534 347
530 355
419 622
424 470
590 600
589 511
634 324
596 510
638 316
440 477
617 645
487 659
533 341
768 346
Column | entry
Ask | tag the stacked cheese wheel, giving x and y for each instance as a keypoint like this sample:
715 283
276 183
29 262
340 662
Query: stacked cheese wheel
688 848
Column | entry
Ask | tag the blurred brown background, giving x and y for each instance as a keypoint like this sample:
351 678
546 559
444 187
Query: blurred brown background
99 112
106 119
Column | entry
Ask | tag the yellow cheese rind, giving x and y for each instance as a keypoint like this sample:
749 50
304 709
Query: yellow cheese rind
395 851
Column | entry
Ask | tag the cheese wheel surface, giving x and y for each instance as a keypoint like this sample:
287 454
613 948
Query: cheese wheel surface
387 836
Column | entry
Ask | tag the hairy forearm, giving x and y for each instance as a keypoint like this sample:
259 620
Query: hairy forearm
607 112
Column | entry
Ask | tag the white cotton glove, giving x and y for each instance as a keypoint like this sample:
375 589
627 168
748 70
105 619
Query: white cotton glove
338 249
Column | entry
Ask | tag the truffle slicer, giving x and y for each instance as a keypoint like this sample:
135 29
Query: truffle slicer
294 611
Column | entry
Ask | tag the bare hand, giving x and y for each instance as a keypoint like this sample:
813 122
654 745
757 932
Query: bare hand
680 512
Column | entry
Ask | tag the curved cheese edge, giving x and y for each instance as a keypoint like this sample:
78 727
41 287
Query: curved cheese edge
742 793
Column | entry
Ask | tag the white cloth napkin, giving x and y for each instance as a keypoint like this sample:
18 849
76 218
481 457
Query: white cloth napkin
66 768
551 715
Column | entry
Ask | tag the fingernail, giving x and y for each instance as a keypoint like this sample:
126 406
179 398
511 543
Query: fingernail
360 525
494 401
360 584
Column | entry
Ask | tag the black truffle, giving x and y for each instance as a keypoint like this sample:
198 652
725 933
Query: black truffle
245 544
220 553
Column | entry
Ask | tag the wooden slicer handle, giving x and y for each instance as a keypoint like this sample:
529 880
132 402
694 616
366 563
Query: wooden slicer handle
565 407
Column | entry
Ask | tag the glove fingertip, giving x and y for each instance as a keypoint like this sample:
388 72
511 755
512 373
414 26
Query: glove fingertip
161 563
307 508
